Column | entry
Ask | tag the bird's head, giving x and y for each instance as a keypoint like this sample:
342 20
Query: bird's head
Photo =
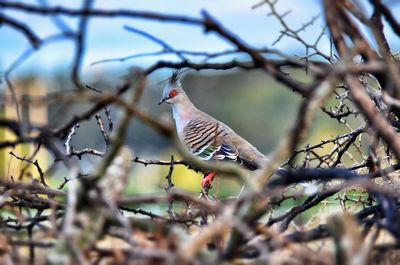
173 92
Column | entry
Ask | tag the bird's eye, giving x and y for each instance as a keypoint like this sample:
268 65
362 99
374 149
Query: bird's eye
173 93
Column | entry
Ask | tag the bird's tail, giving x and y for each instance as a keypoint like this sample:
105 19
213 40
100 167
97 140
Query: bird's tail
250 165
282 172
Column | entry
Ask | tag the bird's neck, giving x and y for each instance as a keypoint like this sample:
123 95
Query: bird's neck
182 111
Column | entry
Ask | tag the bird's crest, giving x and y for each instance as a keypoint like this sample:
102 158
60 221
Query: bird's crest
174 79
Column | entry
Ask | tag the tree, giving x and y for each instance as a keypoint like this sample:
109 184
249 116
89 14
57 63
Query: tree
359 77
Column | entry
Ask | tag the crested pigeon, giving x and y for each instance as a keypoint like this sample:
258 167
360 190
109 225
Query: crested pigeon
206 137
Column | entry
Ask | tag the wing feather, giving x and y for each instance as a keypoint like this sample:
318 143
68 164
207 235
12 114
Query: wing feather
208 140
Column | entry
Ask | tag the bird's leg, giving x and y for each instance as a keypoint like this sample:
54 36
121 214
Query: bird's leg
208 178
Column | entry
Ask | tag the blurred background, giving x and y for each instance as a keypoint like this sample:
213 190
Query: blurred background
251 103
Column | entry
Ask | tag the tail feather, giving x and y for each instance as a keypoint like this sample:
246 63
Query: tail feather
282 172
250 165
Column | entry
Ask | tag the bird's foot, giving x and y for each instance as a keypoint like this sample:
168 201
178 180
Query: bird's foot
207 180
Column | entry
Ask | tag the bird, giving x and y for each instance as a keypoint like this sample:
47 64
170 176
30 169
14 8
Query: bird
206 137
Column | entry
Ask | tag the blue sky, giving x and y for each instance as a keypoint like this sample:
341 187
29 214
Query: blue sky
107 38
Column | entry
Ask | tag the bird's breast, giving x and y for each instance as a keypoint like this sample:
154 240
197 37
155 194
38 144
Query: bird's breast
180 121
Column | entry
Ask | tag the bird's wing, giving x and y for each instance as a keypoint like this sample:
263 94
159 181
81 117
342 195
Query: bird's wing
208 139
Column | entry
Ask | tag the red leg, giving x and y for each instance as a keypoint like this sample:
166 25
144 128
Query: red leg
208 178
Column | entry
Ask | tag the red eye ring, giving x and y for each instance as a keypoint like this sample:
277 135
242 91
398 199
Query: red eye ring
173 93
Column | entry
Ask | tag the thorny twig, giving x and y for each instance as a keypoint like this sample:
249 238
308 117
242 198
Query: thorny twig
170 185
35 163
354 168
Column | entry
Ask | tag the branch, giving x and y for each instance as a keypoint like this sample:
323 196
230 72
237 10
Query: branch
23 28
35 163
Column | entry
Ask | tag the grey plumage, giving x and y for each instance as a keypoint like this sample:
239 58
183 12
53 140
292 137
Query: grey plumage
206 137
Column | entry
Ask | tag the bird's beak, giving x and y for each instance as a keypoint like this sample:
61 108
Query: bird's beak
162 101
